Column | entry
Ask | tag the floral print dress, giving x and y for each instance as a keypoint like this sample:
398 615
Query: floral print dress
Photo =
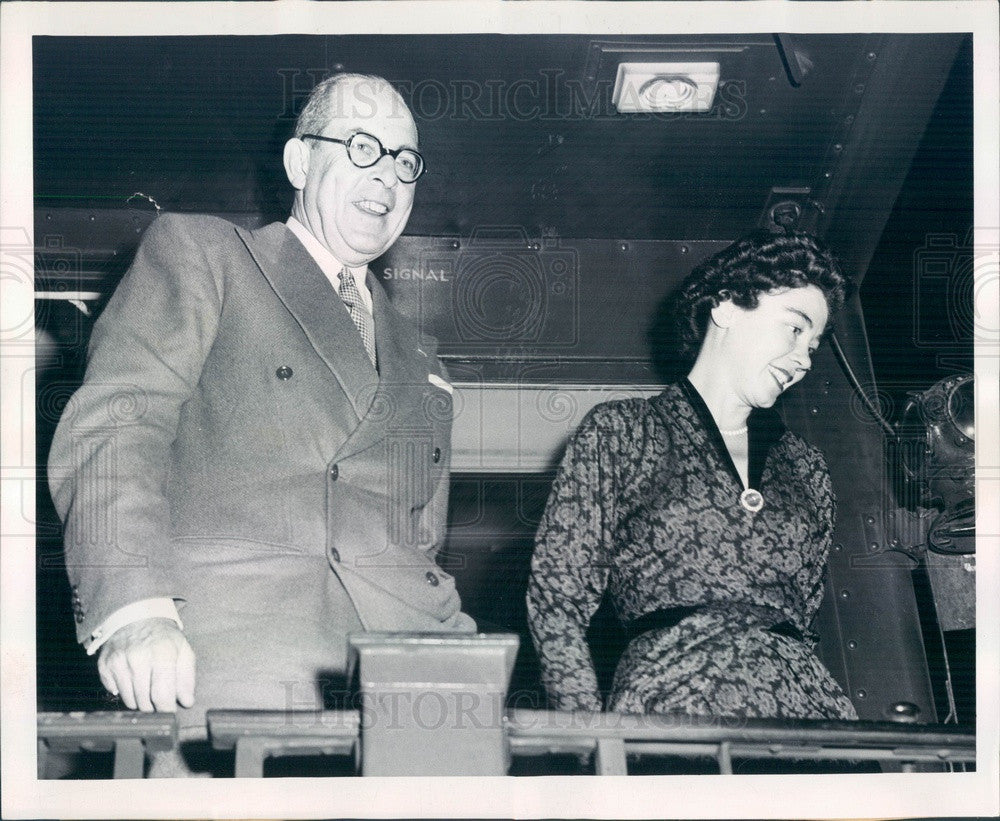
647 506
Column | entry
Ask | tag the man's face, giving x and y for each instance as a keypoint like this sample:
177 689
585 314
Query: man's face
357 213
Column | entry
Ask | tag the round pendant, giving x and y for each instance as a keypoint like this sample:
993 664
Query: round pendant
751 500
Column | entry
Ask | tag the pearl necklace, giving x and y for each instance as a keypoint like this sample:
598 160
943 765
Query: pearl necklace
735 432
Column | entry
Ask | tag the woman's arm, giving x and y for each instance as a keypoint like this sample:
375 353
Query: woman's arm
569 570
810 579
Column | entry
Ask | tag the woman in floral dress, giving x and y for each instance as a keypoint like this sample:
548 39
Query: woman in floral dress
707 521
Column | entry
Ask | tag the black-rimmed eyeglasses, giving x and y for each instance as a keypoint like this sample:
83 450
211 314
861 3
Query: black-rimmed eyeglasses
364 150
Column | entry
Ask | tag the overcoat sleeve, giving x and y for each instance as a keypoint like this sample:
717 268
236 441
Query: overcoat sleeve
570 566
110 454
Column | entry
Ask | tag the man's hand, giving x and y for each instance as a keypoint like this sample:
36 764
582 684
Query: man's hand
150 665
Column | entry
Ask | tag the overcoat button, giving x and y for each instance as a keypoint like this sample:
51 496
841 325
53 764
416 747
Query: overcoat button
432 580
334 554
334 472
283 373
437 455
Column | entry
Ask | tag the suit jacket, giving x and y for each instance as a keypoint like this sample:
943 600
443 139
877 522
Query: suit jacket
233 448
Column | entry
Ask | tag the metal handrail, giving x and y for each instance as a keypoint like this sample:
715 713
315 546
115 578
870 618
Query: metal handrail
258 735
129 734
609 737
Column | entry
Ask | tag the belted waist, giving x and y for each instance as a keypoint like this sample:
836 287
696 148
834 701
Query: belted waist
671 616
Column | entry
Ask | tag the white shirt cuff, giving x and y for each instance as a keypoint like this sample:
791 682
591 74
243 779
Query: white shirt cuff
162 608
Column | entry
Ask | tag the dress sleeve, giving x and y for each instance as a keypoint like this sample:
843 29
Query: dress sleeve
825 504
569 570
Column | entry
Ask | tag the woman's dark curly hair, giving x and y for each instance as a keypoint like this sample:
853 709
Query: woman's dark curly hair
756 264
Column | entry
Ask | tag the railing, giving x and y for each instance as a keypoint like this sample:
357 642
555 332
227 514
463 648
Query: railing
612 737
608 739
435 705
128 735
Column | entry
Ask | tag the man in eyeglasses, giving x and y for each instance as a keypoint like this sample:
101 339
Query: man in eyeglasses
257 462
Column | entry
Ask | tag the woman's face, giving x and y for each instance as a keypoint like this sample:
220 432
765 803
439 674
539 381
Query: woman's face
770 347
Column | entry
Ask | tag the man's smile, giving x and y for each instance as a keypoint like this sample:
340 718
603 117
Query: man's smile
373 207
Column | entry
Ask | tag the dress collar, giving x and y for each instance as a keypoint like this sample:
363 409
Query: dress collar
764 429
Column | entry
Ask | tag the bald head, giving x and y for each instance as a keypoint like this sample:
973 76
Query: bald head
357 97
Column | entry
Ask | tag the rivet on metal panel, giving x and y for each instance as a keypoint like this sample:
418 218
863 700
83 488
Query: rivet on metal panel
48 216
684 249
455 244
904 711
852 644
838 546
622 246
845 594
92 218
871 55
814 411
837 147
873 547
861 693
870 520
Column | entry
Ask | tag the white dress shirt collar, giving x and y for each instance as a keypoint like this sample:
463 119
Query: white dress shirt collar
328 263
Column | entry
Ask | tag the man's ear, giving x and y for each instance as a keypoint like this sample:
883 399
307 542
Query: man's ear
724 313
296 158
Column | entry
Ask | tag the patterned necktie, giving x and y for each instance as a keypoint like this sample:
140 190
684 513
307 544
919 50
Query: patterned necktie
349 292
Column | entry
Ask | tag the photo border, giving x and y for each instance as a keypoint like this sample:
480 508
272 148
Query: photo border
648 797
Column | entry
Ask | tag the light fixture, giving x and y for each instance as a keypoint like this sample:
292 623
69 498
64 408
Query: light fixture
665 87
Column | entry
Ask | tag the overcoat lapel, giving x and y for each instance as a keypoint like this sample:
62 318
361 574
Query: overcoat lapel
308 295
